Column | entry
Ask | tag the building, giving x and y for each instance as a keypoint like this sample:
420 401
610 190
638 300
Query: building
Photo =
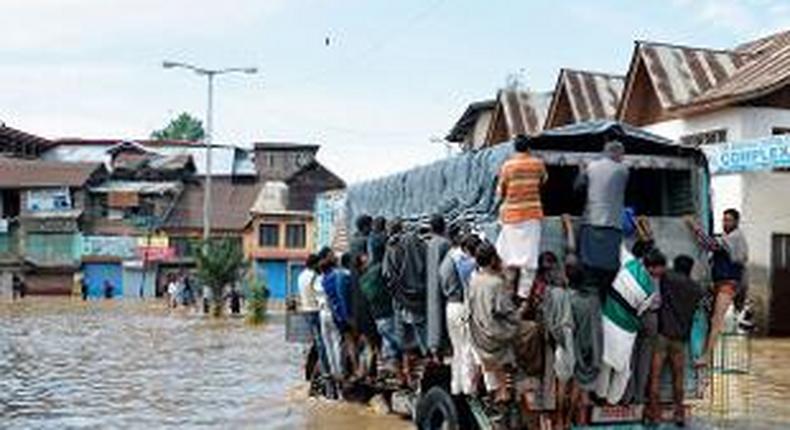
123 240
43 213
282 231
19 144
517 112
470 131
147 220
581 95
701 96
577 96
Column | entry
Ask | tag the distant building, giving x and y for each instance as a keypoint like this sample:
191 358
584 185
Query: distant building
146 219
19 144
578 96
584 96
43 212
470 131
282 230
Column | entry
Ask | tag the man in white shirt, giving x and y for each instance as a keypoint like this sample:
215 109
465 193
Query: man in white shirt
307 281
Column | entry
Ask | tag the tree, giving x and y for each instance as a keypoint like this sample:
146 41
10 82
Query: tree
220 263
183 127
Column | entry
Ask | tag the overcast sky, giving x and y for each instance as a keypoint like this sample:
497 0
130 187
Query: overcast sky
395 73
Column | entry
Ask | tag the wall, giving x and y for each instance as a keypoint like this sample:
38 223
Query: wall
251 244
766 211
740 122
478 133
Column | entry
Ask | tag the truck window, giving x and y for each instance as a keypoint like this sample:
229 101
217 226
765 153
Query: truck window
652 192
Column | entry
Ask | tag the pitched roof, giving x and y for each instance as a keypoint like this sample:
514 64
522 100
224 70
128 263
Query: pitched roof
767 44
230 205
517 112
583 96
681 73
12 136
757 78
286 146
21 173
112 142
468 119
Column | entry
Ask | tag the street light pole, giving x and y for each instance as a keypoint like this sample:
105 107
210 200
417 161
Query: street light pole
207 138
207 141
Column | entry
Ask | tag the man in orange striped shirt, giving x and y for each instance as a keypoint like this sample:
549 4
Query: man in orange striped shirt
521 212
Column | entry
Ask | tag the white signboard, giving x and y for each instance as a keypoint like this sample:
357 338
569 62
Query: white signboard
748 156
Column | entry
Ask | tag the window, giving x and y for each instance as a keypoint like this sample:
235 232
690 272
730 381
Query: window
776 131
48 199
295 236
269 235
704 138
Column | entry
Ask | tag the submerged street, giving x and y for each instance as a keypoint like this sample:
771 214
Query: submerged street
127 364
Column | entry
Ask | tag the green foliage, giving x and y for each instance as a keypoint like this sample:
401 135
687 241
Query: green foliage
220 264
257 301
183 127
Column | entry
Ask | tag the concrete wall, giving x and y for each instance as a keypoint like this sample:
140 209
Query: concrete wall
766 211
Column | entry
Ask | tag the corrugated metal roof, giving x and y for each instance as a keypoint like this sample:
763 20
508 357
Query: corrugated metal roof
524 112
681 73
286 146
590 96
230 208
21 173
225 160
760 77
468 119
766 45
10 135
593 95
142 187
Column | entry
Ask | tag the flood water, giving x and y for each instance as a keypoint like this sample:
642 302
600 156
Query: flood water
114 364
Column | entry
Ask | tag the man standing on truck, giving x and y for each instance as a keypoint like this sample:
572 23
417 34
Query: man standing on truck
518 244
437 248
603 181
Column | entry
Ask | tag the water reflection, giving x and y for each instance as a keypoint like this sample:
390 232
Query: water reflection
135 365
69 364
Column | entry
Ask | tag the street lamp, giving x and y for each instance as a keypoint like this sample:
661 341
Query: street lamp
209 74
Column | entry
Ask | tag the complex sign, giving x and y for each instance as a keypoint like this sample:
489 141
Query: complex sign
748 156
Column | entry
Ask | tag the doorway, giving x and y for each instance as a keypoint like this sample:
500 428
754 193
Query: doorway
780 285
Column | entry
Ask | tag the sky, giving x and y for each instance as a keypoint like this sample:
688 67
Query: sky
394 76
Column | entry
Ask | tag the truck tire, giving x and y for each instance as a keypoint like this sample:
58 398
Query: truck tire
436 411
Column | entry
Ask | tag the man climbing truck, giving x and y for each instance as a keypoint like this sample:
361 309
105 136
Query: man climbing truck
572 349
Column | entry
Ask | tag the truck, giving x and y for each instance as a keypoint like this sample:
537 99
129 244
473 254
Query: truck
668 183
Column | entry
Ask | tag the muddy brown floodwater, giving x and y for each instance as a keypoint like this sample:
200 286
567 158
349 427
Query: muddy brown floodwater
116 364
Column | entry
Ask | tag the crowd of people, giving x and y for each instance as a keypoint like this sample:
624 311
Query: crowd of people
597 325
182 292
